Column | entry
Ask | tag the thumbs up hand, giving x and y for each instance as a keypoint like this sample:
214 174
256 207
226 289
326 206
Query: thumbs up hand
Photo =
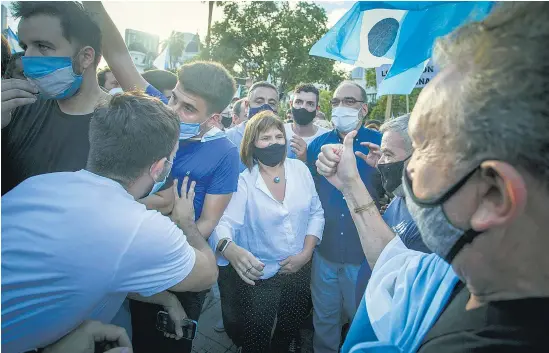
337 162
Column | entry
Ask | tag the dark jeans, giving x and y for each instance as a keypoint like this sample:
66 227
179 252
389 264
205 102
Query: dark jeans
282 297
230 303
147 339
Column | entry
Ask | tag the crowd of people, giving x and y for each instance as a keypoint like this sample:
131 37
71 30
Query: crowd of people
128 194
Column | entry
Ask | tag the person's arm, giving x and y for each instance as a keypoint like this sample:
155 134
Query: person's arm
338 164
205 269
214 206
115 51
374 233
163 200
223 184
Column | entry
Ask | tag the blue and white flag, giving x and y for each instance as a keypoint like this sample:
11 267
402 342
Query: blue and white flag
163 60
402 34
13 41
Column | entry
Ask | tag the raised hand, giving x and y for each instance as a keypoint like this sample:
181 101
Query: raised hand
373 155
16 93
183 208
338 162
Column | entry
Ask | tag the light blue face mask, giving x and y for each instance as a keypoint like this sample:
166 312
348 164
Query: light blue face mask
53 76
159 184
188 130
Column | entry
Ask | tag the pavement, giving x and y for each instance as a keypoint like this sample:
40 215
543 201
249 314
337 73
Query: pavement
209 341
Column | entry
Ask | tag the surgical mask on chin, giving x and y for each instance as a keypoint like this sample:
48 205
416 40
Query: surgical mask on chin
54 76
189 130
437 232
254 111
345 119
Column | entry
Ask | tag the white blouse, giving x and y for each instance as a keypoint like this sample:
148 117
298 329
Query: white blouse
269 229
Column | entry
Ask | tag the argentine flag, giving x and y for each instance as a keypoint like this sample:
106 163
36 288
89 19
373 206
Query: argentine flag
13 41
162 62
402 34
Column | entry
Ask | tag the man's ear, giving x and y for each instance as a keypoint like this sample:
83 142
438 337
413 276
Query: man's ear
365 109
86 58
503 198
157 168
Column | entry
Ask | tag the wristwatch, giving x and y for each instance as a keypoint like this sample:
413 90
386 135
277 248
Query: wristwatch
222 246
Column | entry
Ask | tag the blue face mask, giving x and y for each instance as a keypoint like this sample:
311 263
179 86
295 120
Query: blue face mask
254 111
53 76
159 184
188 130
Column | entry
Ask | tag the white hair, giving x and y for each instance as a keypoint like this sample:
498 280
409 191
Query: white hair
500 107
399 125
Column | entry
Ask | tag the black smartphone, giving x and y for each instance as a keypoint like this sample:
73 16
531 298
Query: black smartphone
165 324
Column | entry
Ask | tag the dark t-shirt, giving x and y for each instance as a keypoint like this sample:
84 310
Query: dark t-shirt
42 139
502 327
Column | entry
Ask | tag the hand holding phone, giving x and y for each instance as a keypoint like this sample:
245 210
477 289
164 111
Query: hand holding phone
165 324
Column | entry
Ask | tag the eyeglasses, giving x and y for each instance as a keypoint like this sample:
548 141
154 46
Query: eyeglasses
347 101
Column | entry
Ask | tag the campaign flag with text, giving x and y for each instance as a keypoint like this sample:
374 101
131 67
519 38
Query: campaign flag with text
401 34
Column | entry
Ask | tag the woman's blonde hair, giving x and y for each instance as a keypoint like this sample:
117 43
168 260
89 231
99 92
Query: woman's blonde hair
260 123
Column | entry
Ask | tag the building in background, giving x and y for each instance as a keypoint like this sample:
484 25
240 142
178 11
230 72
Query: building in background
4 17
143 48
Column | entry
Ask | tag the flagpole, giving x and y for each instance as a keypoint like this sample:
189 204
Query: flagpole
388 107
407 104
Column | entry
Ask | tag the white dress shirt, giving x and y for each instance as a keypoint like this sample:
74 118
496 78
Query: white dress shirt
269 229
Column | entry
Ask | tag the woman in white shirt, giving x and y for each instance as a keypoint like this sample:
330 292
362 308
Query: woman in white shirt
279 220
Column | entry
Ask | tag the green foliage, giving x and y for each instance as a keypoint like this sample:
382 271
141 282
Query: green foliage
398 106
370 77
257 39
325 106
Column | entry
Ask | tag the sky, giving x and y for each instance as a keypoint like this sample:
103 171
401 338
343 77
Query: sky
161 17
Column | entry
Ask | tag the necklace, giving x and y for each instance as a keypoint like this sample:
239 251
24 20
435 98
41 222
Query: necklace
276 180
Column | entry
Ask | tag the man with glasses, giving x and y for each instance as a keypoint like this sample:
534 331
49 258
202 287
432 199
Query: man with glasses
302 131
339 255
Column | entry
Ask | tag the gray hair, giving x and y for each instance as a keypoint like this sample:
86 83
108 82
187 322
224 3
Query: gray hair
500 108
399 125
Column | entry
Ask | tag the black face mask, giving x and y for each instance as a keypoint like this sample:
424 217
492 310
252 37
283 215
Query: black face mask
302 116
271 155
391 175
226 121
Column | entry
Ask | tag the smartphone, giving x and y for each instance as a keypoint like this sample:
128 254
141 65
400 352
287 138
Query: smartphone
165 324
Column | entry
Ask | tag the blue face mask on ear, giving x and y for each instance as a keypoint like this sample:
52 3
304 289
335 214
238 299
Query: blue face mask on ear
254 111
159 184
53 76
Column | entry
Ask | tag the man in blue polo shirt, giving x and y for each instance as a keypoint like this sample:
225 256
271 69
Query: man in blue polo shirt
205 155
261 96
338 258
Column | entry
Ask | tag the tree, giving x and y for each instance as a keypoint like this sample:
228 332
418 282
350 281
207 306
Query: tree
211 5
176 42
257 39
398 106
324 102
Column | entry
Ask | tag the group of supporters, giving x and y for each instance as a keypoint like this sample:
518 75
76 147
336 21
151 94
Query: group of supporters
127 194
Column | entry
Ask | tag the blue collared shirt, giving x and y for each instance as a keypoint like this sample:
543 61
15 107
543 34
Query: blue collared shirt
340 242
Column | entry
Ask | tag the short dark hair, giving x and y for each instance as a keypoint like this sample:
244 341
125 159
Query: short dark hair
261 84
363 94
259 123
129 135
161 79
6 54
308 87
210 81
76 23
237 107
101 76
